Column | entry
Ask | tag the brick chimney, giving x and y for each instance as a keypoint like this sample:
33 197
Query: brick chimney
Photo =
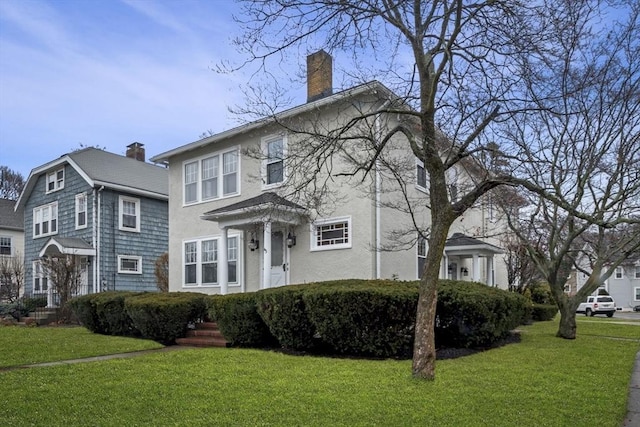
319 75
136 151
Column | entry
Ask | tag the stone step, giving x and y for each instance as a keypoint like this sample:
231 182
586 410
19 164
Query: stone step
205 334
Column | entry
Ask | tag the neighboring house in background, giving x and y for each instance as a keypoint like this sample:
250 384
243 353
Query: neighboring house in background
108 210
231 229
11 230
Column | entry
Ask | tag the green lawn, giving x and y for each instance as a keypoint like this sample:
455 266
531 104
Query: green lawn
543 381
22 346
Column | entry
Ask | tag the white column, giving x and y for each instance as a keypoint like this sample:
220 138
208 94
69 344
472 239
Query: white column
223 263
476 268
266 259
490 270
444 267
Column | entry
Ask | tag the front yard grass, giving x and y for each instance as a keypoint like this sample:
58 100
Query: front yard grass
22 346
542 381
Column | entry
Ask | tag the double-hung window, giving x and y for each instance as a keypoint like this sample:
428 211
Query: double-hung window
211 177
619 273
55 180
422 254
129 214
40 279
273 164
421 175
5 246
45 220
81 211
334 233
201 261
637 274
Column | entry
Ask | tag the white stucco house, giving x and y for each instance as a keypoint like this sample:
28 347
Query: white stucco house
236 224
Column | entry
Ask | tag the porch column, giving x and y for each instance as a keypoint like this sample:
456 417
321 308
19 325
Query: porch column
266 259
490 270
444 267
476 268
223 263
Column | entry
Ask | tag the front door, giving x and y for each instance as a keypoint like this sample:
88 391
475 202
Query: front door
278 259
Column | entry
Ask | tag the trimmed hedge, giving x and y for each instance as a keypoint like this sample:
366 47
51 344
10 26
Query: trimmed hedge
163 317
284 312
473 315
239 321
84 308
112 316
544 312
364 318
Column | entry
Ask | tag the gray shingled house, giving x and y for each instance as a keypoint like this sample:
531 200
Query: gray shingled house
109 211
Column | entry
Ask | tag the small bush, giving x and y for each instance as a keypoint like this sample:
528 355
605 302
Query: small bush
163 317
544 312
364 317
84 309
239 321
111 314
473 315
283 311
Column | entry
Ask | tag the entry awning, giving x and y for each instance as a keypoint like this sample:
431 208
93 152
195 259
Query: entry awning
259 209
67 246
460 244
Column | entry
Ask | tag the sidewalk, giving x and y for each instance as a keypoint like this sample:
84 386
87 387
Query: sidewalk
633 402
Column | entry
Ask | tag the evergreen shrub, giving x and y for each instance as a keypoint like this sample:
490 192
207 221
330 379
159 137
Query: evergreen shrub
544 312
163 317
238 320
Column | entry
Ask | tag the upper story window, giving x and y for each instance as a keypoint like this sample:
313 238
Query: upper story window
637 275
421 175
334 233
45 220
422 254
452 183
619 273
273 172
211 177
81 211
55 180
5 246
129 214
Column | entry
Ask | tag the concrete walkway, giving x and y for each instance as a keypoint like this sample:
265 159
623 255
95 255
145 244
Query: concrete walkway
633 401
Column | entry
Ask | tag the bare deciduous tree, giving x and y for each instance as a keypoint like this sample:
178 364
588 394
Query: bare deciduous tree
582 152
65 275
11 183
11 277
161 271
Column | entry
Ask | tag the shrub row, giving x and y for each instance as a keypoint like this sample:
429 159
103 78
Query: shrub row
366 318
22 307
158 316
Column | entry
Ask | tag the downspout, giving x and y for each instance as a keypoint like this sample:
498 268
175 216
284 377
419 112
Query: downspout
99 223
95 239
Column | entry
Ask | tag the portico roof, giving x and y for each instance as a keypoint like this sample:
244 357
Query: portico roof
461 244
265 207
68 246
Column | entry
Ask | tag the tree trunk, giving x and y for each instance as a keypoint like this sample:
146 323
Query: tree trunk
424 349
567 327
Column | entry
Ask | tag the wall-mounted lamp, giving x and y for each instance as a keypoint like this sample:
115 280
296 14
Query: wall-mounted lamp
450 268
254 244
465 271
291 240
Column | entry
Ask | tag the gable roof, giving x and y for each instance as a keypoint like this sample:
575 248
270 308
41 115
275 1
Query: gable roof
11 219
100 168
374 87
462 242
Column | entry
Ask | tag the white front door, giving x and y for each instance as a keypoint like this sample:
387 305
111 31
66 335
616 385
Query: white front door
278 259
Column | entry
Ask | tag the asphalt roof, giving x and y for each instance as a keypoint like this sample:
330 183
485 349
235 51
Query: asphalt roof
263 199
10 219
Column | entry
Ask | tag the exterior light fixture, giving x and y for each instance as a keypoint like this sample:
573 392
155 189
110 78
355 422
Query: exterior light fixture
291 240
254 244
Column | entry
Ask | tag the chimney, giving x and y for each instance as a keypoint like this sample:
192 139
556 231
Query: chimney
319 75
136 151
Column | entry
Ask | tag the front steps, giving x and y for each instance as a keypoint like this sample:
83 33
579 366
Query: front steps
39 318
205 334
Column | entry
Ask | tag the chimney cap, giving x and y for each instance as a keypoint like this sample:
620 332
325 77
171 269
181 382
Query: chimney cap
135 145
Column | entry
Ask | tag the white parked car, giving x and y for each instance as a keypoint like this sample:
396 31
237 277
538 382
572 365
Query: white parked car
600 304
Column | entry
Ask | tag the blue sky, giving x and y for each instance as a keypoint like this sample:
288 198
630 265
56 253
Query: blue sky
110 72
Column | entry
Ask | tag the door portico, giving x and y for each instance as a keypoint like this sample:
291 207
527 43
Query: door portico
460 248
276 217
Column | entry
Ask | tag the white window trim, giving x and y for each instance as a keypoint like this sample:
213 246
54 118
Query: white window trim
198 241
328 221
615 273
198 161
11 248
418 256
636 293
121 200
418 186
637 272
36 265
51 218
58 185
129 257
263 169
86 207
